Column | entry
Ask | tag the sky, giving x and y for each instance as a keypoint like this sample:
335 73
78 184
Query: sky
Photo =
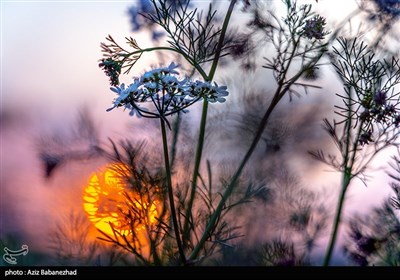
49 57
50 52
51 47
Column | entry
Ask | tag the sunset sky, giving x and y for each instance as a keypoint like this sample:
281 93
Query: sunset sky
49 71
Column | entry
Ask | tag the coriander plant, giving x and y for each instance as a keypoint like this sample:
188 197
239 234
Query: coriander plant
183 203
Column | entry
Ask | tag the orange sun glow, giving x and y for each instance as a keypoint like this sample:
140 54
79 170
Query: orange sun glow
108 201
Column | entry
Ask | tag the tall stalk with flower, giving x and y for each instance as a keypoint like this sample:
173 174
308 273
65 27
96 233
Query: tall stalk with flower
297 40
167 95
369 116
197 42
298 43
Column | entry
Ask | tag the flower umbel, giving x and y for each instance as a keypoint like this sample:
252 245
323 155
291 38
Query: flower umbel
380 98
365 138
217 94
162 89
377 109
314 28
112 69
371 99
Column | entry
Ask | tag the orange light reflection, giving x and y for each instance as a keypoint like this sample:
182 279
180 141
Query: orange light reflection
105 203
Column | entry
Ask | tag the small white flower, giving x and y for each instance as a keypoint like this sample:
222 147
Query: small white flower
167 97
168 79
151 85
147 76
134 86
221 90
171 68
118 89
217 94
122 92
184 86
202 86
165 93
159 72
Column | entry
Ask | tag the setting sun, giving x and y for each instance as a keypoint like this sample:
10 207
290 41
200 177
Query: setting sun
109 203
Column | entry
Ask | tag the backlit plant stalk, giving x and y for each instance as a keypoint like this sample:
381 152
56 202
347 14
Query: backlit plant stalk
195 55
203 122
297 40
171 193
370 117
297 31
166 94
347 176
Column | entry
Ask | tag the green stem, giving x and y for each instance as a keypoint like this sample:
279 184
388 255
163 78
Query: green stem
199 151
282 89
195 65
345 183
349 158
203 122
176 129
347 176
221 40
233 182
171 193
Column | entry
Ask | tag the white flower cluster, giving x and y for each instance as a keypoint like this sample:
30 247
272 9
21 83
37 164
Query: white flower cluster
162 89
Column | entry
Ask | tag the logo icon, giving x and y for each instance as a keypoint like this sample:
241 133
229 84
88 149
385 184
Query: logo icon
10 255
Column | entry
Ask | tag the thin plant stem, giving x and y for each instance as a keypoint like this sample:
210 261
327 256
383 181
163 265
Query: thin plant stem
221 40
282 89
210 225
176 130
345 183
234 180
188 59
199 152
203 122
171 193
348 164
